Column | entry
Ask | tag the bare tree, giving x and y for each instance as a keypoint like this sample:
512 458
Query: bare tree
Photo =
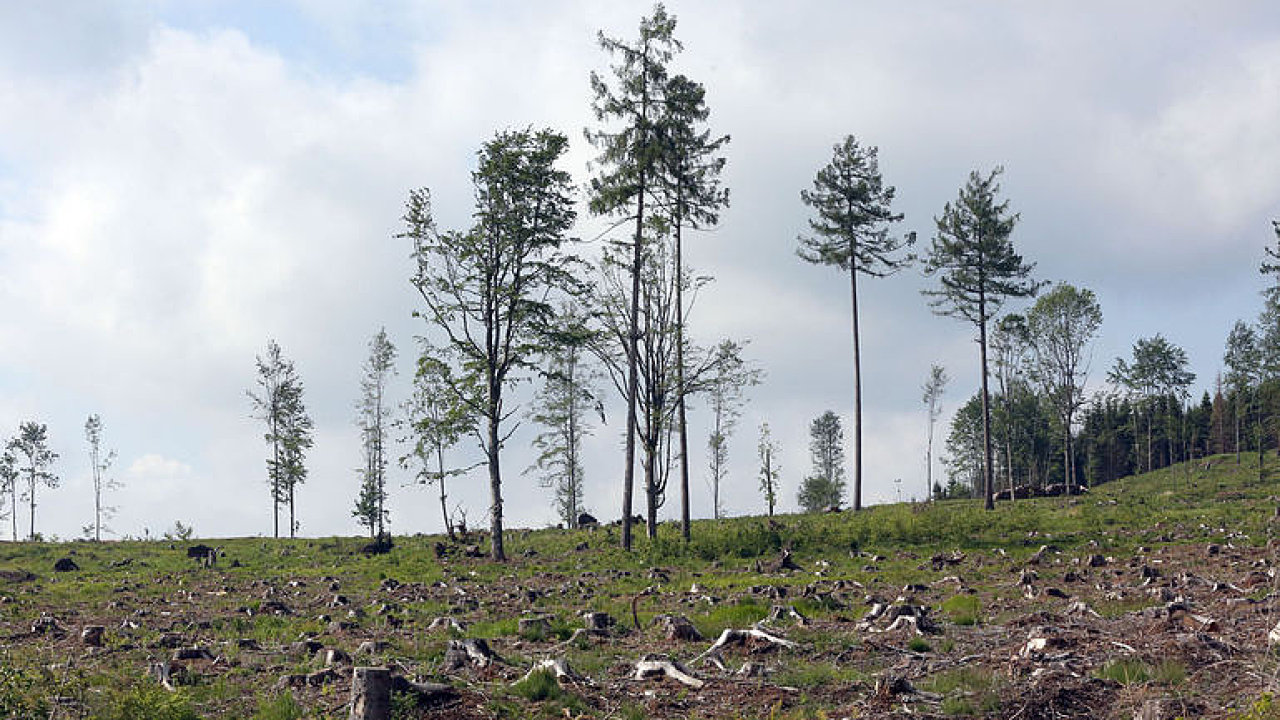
100 463
769 468
728 380
934 386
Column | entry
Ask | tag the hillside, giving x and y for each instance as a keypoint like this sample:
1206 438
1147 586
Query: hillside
1153 594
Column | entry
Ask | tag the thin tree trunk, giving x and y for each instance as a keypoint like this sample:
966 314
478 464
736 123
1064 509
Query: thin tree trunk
444 509
31 490
989 499
1237 414
857 381
633 374
495 483
680 389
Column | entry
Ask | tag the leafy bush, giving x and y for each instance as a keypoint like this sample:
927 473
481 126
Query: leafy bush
148 702
21 691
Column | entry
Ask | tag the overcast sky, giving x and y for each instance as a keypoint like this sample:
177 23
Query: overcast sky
181 181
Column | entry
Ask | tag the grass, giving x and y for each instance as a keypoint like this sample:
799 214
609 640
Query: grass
1165 507
962 609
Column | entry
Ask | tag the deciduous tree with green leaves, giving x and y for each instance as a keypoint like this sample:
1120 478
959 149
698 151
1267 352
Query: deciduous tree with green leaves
825 485
279 404
630 161
851 231
9 489
563 407
729 378
436 421
934 386
373 419
1060 326
34 463
1244 371
486 290
973 257
1158 371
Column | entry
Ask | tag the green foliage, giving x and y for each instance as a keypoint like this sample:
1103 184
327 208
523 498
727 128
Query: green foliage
918 644
962 609
22 690
539 686
1126 671
1264 708
966 690
278 706
148 702
825 486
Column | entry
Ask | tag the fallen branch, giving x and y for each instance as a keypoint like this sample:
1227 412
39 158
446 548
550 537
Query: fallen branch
651 666
738 637
559 667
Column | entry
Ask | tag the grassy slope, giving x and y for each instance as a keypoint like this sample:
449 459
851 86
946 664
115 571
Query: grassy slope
881 547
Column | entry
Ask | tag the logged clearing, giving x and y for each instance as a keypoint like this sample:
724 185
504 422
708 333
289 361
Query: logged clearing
1152 597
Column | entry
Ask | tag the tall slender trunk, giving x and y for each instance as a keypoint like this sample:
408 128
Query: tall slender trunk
1237 414
31 491
633 372
495 482
857 381
680 388
988 496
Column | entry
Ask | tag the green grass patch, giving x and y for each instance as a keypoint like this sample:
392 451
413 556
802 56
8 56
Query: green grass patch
963 609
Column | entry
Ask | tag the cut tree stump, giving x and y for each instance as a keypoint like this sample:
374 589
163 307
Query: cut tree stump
558 667
785 611
536 626
598 622
446 623
677 627
472 651
651 666
738 637
91 635
370 694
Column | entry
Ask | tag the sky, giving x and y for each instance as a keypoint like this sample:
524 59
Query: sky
182 181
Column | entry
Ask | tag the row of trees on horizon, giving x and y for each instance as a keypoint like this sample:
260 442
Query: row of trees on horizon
510 299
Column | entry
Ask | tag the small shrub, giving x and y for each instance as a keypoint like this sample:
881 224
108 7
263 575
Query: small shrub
962 609
539 686
919 644
1169 672
1126 671
278 707
148 702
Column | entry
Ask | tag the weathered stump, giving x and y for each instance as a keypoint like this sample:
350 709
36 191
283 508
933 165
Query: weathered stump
91 635
370 694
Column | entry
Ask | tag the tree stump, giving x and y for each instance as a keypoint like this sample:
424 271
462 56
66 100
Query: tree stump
677 627
534 627
370 694
598 622
91 635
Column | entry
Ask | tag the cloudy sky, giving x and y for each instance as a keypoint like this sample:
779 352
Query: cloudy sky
181 181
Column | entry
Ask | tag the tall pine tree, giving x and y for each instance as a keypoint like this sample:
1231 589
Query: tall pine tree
851 232
978 270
